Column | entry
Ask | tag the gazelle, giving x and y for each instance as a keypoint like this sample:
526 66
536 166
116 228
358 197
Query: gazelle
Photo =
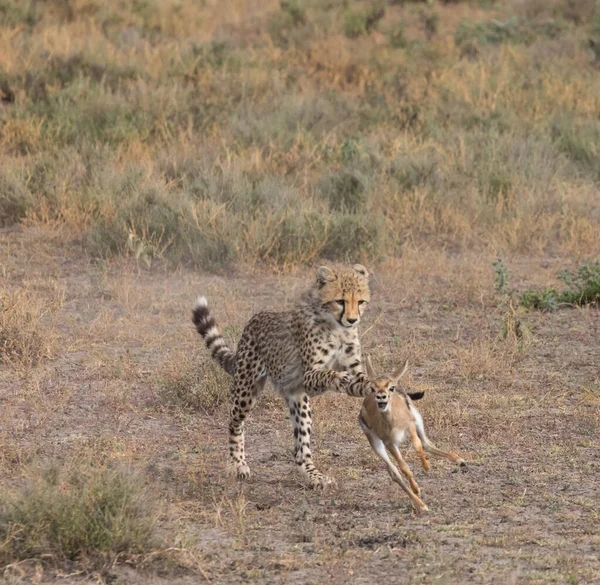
386 416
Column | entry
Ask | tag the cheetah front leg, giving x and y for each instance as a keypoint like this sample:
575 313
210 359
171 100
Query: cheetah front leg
300 416
351 361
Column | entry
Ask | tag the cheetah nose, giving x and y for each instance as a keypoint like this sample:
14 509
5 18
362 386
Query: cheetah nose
351 321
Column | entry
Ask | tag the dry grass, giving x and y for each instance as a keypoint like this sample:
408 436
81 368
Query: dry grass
147 146
24 340
78 512
268 135
192 382
130 385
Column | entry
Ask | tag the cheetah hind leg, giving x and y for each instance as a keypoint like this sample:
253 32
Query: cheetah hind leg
244 395
300 416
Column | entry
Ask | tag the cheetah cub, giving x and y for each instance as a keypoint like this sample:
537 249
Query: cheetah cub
303 352
386 416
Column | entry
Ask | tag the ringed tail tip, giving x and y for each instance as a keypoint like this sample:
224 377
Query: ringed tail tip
201 303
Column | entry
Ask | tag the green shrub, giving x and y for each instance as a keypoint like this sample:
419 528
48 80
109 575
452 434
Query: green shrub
345 191
582 288
417 170
492 32
295 238
545 300
77 514
397 37
354 24
351 236
359 23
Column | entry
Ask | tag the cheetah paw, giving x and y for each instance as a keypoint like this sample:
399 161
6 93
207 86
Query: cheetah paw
242 471
343 380
318 481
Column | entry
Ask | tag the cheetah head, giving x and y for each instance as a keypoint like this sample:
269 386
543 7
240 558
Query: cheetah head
344 293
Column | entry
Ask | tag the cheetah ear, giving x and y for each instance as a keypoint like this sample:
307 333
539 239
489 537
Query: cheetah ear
361 270
400 372
370 371
324 275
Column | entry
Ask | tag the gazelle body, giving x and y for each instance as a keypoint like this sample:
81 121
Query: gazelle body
386 417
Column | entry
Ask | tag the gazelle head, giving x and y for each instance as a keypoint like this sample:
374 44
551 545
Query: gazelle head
383 386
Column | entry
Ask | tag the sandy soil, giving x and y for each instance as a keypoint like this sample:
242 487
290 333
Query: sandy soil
526 416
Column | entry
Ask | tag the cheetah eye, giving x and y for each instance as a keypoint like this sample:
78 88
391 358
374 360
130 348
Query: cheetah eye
340 301
361 303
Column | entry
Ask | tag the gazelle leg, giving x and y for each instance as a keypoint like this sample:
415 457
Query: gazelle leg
431 448
414 437
379 448
404 468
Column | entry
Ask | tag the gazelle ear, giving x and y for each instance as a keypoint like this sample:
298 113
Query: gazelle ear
370 371
324 275
400 372
361 270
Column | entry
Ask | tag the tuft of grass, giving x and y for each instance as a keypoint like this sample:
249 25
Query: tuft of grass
491 32
15 198
23 340
502 277
345 191
397 36
360 23
84 514
196 384
579 142
351 232
512 328
289 26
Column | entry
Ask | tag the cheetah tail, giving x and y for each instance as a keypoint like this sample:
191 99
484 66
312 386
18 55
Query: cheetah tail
207 327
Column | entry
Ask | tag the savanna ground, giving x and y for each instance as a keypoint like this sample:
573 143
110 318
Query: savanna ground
154 151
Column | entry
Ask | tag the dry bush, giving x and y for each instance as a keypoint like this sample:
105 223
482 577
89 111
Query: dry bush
23 338
313 144
15 200
87 514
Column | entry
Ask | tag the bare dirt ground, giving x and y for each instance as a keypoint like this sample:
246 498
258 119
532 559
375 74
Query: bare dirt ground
526 416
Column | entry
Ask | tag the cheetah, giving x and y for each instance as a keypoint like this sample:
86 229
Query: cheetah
303 352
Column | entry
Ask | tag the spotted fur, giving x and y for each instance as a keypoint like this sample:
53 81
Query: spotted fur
303 352
207 327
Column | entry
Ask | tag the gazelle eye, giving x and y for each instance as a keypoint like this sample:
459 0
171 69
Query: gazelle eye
372 389
392 388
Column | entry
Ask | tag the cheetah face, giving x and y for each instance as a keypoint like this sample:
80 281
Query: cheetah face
344 293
